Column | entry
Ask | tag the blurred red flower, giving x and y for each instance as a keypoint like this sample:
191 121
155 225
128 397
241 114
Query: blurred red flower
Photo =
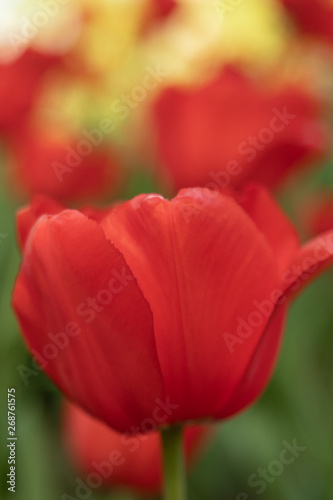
20 82
232 131
121 459
166 310
314 17
158 11
163 7
60 165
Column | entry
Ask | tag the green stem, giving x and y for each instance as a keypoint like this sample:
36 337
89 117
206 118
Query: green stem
174 464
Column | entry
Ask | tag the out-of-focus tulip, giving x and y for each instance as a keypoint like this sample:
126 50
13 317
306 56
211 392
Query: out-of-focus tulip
157 12
314 17
231 131
121 459
63 166
20 82
163 7
171 311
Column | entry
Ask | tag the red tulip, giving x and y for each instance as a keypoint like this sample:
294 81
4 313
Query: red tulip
65 167
161 311
20 82
314 17
119 459
232 131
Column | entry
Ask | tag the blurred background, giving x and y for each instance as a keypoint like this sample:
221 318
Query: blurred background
101 100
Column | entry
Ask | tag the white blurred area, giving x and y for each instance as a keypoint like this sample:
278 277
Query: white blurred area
46 25
8 22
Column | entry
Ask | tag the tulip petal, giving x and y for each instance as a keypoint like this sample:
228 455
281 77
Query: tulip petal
29 215
260 367
173 249
312 259
272 222
75 282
